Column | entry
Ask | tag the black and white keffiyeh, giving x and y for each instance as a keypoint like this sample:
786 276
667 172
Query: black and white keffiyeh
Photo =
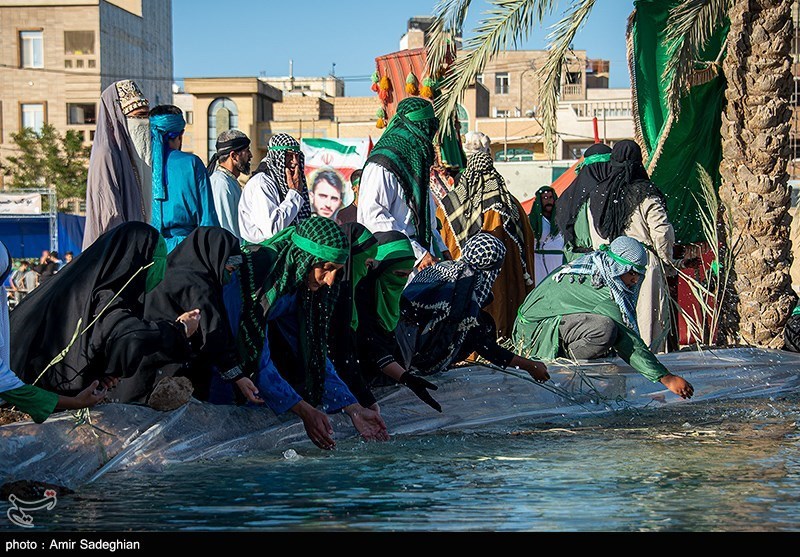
274 166
444 300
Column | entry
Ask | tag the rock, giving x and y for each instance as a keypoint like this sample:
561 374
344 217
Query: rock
8 416
30 490
170 394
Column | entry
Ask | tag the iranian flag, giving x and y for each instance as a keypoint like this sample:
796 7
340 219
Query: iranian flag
343 155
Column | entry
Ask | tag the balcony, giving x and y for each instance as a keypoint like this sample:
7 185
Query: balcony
611 109
572 91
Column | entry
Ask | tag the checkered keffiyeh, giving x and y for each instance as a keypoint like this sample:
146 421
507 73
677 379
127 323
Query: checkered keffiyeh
480 189
451 294
274 166
605 271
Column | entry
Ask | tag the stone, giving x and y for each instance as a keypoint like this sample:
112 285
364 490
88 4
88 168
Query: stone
170 394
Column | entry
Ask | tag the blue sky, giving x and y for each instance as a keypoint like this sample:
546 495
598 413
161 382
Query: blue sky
246 37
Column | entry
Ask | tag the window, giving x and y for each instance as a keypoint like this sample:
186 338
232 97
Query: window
501 83
78 43
31 52
78 63
79 114
32 116
501 113
516 154
68 64
91 63
479 78
223 115
189 117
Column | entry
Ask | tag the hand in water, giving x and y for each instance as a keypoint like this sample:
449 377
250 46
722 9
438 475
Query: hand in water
317 426
678 385
420 387
191 319
368 423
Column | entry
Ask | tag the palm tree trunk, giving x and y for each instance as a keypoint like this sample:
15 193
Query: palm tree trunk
755 152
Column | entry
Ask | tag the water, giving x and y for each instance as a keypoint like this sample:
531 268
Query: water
699 467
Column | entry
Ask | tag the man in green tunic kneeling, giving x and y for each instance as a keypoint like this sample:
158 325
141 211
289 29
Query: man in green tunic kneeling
588 307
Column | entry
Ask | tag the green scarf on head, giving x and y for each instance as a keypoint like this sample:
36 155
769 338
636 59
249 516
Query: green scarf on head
280 266
155 274
536 215
406 150
395 254
363 246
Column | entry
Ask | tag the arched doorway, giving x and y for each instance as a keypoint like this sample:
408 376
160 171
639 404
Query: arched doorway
223 115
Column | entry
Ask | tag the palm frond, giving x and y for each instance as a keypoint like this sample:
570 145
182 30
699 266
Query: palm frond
450 16
506 23
560 40
689 28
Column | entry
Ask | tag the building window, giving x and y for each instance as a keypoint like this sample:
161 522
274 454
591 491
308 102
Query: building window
501 113
189 117
78 63
31 51
501 83
32 117
223 115
479 78
91 63
78 43
516 154
79 114
68 64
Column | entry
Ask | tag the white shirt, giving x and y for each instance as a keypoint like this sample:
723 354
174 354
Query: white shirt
261 213
226 192
382 207
547 263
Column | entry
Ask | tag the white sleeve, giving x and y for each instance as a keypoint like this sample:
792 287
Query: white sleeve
376 194
261 215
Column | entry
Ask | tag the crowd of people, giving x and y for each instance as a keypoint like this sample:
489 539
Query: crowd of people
268 295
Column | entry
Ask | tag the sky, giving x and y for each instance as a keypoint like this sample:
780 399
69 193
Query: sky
248 37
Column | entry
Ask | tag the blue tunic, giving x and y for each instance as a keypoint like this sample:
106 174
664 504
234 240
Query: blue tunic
189 203
272 387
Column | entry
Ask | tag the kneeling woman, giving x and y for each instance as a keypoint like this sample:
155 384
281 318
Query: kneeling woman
86 323
589 307
288 293
443 319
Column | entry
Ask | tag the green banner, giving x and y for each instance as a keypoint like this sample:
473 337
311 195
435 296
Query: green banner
674 146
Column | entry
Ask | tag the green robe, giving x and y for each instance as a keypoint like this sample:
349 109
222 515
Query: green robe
539 317
583 235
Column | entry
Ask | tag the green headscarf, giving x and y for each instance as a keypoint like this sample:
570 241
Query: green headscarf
280 266
394 254
406 150
155 274
363 246
536 215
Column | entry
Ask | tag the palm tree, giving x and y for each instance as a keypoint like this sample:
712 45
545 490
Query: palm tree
755 130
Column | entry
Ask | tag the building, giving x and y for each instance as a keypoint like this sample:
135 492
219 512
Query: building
264 106
57 56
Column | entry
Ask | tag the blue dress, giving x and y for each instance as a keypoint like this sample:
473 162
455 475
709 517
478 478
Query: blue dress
272 387
189 203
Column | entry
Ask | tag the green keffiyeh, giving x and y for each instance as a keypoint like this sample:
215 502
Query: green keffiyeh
394 254
406 150
280 266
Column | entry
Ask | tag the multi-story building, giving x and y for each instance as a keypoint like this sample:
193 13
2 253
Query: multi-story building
57 56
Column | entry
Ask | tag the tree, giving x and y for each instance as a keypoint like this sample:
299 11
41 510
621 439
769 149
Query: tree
48 159
755 130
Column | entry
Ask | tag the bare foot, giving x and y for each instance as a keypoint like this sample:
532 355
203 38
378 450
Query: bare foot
678 385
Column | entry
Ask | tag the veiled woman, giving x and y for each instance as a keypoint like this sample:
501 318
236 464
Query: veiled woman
87 322
482 203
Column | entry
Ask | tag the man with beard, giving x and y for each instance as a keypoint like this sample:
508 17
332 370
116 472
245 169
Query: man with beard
119 186
549 251
231 160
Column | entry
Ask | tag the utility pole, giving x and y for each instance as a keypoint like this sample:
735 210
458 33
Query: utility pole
605 135
505 141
